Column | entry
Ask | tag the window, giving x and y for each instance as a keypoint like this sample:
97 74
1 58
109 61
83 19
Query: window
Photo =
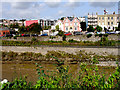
99 18
102 18
112 18
108 18
75 28
75 23
102 23
70 27
3 32
118 18
112 23
108 23
66 28
66 24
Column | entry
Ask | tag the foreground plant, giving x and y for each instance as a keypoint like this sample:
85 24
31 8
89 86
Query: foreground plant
85 79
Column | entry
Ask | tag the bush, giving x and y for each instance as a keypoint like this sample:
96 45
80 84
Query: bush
100 35
15 37
106 35
88 77
72 41
89 35
96 35
34 40
64 38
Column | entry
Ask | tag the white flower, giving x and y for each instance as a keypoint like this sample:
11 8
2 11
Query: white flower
4 81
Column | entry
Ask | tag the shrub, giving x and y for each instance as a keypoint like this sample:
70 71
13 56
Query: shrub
72 41
89 35
15 37
100 35
106 35
34 40
64 38
96 35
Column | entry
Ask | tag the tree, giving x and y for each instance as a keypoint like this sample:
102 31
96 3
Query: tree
83 26
105 29
21 29
61 33
98 28
118 29
34 28
90 29
57 27
14 25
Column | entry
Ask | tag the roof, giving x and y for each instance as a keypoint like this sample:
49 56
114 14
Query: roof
70 18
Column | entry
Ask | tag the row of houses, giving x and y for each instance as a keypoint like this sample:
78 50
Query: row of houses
71 24
109 21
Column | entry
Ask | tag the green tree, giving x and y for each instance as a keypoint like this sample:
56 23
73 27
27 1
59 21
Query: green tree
57 27
98 28
118 29
14 25
90 29
61 33
83 26
21 29
105 29
34 28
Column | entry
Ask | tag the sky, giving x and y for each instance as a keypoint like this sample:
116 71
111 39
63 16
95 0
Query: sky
54 10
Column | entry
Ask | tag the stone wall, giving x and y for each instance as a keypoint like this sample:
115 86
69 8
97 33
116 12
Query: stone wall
43 49
58 38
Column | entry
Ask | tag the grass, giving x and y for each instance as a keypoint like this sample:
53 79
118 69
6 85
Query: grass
89 77
60 43
80 56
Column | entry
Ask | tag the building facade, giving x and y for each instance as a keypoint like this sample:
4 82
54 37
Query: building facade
109 21
92 20
42 22
9 22
4 31
69 24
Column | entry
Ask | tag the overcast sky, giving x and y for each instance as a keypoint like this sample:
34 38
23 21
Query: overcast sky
54 10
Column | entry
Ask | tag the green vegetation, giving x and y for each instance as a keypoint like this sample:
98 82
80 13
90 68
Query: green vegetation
83 26
98 28
57 27
90 29
85 78
118 28
62 43
80 56
89 35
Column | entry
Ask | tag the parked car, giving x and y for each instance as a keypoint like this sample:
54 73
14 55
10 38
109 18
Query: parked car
45 34
54 34
34 35
8 35
89 33
68 34
117 32
111 32
77 33
25 35
100 32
